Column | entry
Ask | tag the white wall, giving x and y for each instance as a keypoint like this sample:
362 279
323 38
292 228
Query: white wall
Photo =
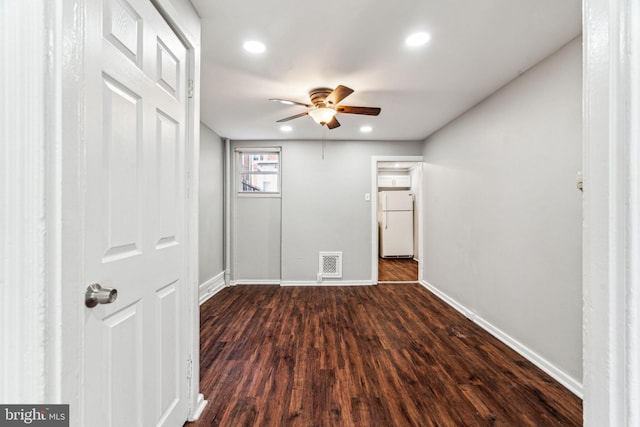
324 207
502 215
256 239
211 208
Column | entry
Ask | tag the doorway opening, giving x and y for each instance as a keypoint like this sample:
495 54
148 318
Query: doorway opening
396 219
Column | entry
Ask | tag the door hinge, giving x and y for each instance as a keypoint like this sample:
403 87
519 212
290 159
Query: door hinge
190 90
189 368
189 381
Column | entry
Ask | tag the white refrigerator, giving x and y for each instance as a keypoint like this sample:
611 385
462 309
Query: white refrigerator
395 223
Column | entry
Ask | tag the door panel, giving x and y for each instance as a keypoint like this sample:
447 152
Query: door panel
123 28
122 167
168 175
168 69
168 339
124 353
134 222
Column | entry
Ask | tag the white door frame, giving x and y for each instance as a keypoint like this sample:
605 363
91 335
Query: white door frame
374 212
611 231
43 275
30 203
44 206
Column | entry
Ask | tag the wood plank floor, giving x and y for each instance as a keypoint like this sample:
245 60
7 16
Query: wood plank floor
386 355
397 270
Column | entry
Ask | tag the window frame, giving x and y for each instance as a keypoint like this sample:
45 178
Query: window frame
239 152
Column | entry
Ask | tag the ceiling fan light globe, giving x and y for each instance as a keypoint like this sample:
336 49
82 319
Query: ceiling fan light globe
322 115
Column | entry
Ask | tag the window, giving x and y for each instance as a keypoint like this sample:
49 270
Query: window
259 171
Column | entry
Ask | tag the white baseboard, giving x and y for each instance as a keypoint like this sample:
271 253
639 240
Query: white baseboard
303 282
400 282
559 375
254 282
211 287
197 411
327 283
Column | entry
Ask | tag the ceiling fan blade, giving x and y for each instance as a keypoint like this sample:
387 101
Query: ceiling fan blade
333 123
338 94
292 117
369 111
289 102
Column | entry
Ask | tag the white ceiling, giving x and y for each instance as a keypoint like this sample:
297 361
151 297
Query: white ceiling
476 47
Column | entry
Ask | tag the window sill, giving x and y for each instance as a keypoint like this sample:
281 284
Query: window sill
259 195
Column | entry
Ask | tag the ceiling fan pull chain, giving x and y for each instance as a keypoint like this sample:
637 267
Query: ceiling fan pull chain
324 141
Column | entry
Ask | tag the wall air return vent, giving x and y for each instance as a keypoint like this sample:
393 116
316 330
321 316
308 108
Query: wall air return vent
331 265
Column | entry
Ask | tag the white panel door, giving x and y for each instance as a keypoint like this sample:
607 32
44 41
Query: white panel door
134 217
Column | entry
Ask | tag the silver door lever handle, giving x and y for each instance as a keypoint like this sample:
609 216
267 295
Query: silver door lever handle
96 294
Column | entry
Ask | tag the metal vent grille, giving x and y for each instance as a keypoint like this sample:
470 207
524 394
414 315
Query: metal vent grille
331 264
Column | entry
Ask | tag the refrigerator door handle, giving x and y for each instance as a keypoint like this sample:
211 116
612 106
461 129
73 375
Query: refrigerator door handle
384 219
386 206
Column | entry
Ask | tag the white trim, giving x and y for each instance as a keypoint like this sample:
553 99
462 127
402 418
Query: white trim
238 172
53 204
302 282
254 282
70 113
389 282
29 138
559 375
227 210
258 150
199 408
259 194
211 287
374 210
611 230
327 283
186 22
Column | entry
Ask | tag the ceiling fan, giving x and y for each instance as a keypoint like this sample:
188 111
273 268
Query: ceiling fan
324 106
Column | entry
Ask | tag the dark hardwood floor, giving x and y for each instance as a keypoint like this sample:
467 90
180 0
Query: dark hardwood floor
386 355
397 270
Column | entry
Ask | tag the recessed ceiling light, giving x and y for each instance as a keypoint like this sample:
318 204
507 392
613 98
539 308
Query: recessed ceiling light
254 46
417 39
366 129
286 128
